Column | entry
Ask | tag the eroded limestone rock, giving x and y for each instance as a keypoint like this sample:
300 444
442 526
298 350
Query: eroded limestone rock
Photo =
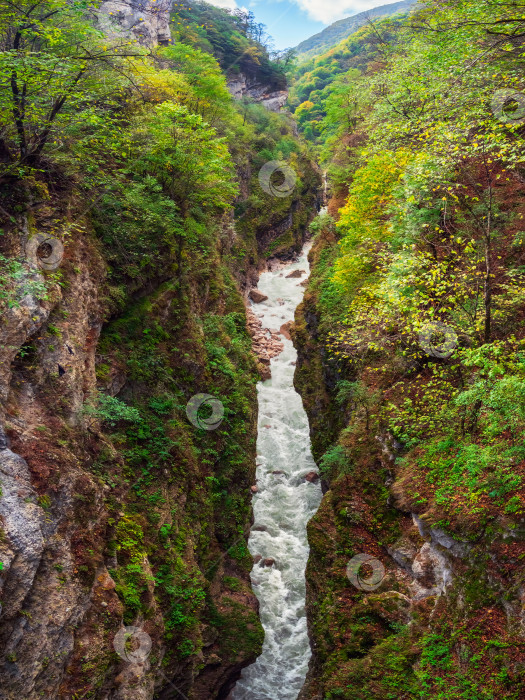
242 86
146 20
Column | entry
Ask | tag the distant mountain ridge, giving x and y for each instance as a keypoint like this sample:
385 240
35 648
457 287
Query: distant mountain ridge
336 32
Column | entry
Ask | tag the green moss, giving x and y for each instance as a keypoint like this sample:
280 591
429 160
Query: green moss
240 632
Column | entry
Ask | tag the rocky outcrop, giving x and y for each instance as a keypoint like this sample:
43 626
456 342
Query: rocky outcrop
23 524
285 330
20 323
241 86
146 20
266 343
296 274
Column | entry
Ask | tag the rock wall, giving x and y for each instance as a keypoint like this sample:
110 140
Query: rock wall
146 20
105 525
436 601
242 86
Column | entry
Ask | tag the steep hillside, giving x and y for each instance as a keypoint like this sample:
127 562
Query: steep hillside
412 369
134 223
320 85
338 31
235 39
139 202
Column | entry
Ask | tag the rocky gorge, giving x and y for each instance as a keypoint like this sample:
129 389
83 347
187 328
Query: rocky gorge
262 421
68 523
116 512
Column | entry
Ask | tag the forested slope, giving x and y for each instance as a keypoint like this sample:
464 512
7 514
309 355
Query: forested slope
319 85
236 39
133 223
340 30
413 327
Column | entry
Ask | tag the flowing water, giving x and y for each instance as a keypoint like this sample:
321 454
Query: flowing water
283 505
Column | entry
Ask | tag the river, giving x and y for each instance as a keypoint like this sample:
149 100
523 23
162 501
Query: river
283 505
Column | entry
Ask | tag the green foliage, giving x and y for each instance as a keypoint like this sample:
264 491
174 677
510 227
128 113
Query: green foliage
334 461
131 577
322 221
16 283
236 40
191 163
235 624
424 164
323 93
110 410
55 68
424 233
206 92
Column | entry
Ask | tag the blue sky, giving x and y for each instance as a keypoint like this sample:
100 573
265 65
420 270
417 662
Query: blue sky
291 21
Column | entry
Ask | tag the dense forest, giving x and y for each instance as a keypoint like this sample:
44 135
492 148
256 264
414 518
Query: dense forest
133 223
334 34
134 226
414 322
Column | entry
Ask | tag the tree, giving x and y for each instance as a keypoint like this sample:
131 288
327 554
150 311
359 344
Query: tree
54 65
191 164
208 94
287 58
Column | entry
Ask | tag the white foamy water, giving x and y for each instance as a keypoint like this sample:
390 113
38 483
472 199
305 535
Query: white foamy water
283 506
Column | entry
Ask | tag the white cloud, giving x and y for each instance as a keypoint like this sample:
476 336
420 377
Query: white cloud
329 11
227 4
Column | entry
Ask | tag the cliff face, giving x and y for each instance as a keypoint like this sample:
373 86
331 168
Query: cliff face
241 86
80 527
145 20
112 518
436 599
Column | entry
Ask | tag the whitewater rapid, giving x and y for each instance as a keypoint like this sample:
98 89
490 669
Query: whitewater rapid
283 505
